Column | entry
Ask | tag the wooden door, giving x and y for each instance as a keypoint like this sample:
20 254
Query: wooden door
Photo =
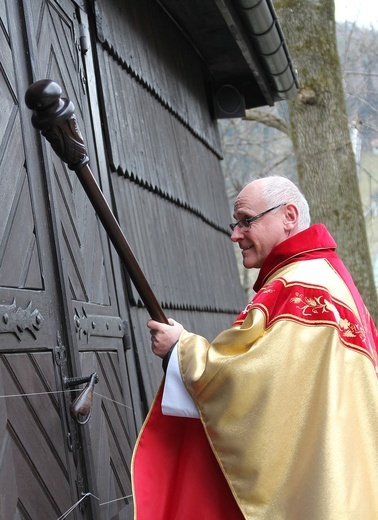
37 478
60 313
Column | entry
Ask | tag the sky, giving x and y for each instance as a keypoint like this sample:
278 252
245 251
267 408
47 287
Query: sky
364 12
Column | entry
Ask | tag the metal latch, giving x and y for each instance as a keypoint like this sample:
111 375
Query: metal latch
82 405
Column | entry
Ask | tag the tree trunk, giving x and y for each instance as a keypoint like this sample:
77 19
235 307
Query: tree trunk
320 135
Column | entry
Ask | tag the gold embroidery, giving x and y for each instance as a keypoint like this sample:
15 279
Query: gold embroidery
351 330
315 305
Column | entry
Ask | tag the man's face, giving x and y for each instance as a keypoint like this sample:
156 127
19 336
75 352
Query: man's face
257 240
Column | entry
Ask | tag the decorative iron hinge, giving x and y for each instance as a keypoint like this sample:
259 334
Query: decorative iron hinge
16 320
97 325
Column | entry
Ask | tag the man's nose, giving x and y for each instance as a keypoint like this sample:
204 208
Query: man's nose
237 234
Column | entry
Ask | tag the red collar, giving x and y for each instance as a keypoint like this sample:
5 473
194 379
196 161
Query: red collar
313 242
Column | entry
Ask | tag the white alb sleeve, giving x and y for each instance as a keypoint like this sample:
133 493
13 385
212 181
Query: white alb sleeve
176 399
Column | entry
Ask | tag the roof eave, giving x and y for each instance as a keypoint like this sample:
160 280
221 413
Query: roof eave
264 32
243 49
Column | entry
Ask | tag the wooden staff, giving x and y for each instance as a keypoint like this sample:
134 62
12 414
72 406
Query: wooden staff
54 117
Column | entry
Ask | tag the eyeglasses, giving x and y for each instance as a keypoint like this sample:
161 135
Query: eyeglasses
246 222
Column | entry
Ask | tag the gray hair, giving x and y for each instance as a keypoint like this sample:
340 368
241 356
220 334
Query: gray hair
280 189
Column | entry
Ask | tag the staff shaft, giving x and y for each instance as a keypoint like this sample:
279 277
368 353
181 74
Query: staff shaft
54 117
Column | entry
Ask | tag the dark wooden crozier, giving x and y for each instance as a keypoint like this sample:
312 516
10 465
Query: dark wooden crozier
54 117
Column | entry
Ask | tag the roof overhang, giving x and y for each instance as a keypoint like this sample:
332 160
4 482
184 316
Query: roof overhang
243 48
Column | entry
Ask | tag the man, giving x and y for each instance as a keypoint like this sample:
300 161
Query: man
288 396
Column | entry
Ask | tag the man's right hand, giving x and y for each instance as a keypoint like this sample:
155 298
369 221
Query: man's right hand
163 336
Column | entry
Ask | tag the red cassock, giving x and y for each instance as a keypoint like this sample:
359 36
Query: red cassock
175 473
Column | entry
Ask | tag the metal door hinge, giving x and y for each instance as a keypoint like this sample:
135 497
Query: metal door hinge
16 320
96 325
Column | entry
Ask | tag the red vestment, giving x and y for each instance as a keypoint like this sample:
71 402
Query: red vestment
288 401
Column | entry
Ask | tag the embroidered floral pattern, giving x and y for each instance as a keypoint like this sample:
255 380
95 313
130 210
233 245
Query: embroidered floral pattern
314 304
319 304
351 330
265 290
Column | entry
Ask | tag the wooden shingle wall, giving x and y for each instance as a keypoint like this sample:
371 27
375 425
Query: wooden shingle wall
164 156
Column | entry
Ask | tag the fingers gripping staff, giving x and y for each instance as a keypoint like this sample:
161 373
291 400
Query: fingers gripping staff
54 117
163 336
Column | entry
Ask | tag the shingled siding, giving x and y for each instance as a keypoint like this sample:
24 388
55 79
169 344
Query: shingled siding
164 154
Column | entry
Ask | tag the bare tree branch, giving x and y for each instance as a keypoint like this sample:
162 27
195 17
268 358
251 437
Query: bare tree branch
268 119
273 166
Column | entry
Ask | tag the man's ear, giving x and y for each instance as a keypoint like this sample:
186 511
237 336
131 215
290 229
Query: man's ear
291 216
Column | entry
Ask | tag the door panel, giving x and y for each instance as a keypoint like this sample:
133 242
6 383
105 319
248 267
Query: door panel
56 34
33 465
96 313
60 313
19 257
19 260
110 427
88 278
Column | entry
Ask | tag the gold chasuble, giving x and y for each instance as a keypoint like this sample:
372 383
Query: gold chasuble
288 397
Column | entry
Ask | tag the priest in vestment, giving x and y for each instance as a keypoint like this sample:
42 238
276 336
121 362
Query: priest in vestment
277 418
